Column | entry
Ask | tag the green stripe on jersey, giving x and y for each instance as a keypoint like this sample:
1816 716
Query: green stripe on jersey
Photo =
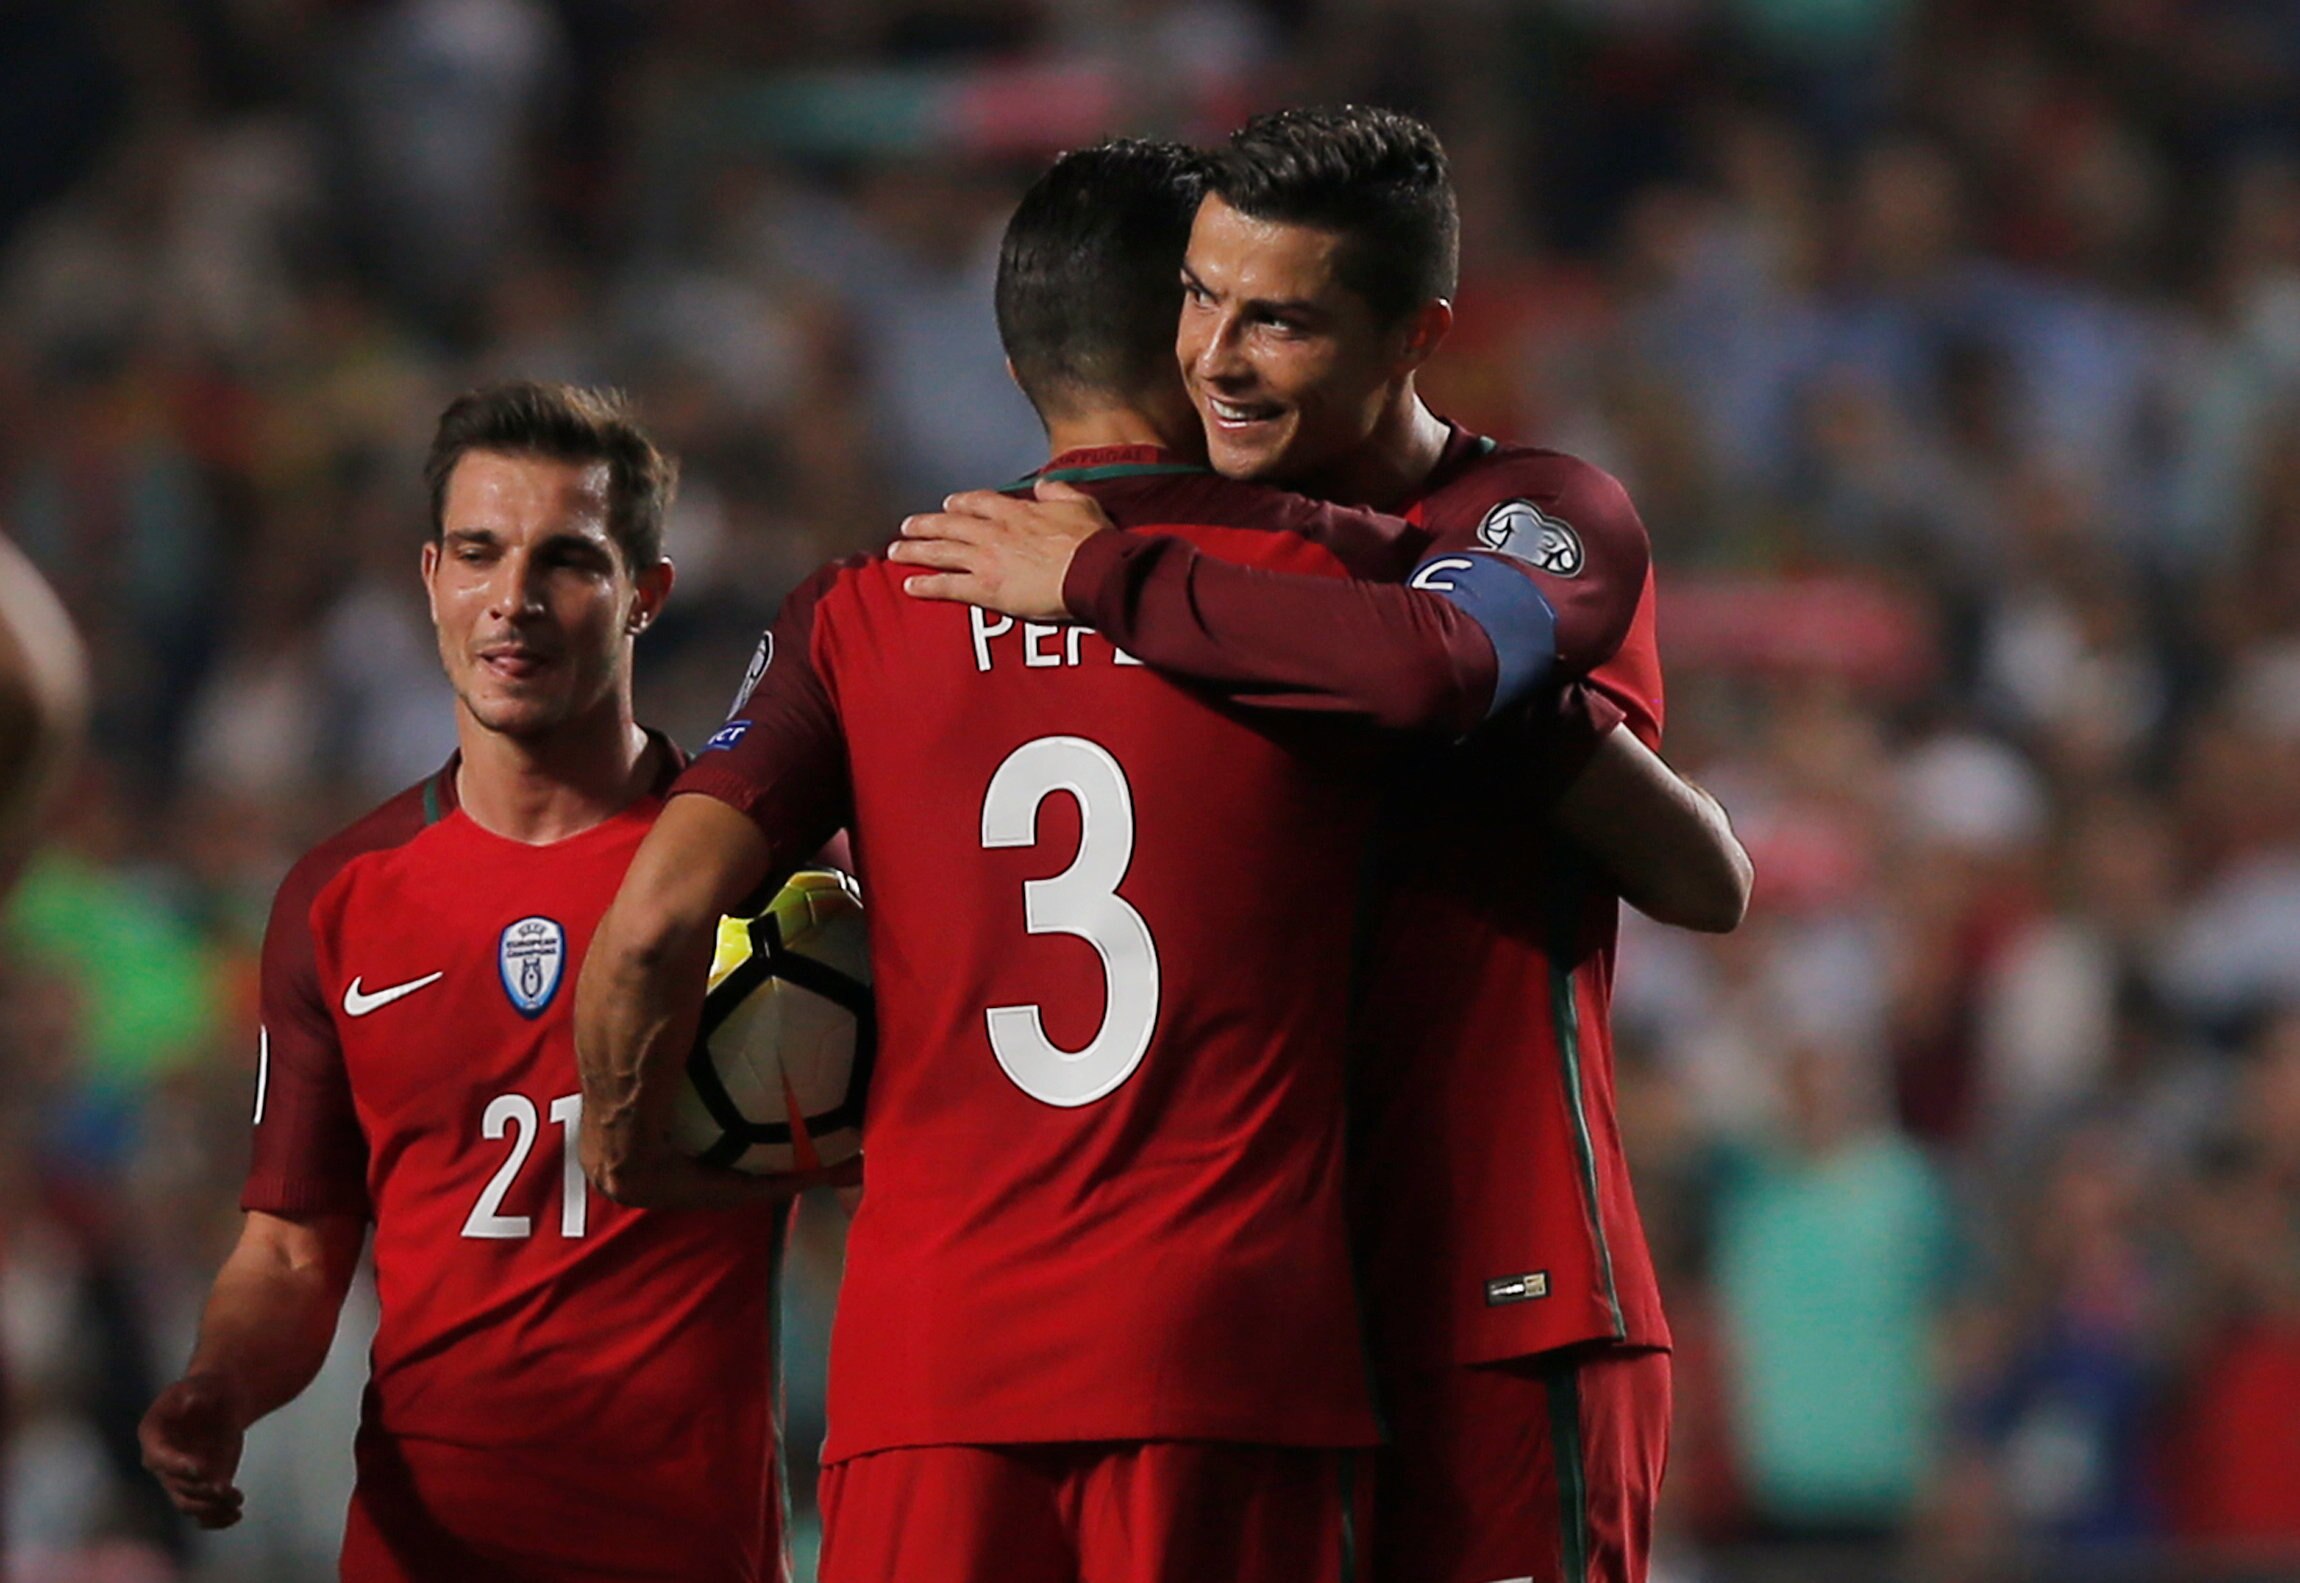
1565 1011
432 807
1572 1478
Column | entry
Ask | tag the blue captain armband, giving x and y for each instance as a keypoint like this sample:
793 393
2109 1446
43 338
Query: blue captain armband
1496 594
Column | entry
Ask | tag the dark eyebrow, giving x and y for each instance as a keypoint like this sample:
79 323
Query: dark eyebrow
1292 307
1287 307
581 547
557 543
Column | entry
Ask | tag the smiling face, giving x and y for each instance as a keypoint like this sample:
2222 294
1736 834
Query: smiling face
1289 369
533 603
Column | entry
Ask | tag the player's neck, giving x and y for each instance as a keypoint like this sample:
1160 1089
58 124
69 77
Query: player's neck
545 789
1095 430
1396 460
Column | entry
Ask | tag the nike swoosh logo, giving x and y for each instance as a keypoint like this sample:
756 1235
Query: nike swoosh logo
358 1005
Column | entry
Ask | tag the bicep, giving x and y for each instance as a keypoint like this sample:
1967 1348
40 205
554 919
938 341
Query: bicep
702 858
319 1250
1625 788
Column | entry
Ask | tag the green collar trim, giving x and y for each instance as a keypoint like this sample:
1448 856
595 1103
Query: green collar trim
1102 474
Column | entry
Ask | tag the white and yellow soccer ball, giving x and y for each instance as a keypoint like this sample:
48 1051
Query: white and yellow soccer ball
782 1058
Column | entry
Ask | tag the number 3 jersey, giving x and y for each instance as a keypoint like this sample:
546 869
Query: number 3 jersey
560 1387
1111 926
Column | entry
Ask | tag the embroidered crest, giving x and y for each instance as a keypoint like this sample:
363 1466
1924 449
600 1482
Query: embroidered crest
532 956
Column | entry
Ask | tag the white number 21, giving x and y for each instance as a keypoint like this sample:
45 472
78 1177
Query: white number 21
1082 900
508 1111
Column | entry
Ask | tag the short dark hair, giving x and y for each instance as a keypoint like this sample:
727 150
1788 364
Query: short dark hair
567 423
1089 271
1376 178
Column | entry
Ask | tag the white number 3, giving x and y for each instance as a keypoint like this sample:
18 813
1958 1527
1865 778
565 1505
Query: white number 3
1082 900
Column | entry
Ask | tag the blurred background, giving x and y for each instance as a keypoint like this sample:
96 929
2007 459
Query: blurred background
1952 351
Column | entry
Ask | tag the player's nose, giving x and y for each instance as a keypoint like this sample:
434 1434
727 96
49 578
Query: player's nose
1221 358
518 586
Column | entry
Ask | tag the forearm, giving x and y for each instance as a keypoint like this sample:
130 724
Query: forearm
1717 874
636 1010
1395 656
1666 844
271 1318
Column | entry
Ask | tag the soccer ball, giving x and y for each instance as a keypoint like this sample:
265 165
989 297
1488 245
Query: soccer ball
775 1082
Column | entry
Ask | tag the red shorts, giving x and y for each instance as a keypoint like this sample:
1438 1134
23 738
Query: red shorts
1541 1469
1161 1511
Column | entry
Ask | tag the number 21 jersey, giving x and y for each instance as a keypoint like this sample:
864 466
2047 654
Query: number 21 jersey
560 1387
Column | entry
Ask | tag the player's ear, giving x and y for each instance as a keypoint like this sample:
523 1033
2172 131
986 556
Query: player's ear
651 588
1426 331
428 561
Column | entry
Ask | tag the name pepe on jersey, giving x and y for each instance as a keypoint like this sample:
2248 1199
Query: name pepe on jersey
1032 645
1042 645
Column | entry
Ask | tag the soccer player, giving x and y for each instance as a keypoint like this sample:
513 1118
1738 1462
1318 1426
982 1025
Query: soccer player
1098 1320
562 1388
1519 1331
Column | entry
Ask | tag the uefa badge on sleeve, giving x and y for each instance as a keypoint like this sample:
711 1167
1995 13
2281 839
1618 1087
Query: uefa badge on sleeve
1523 529
532 956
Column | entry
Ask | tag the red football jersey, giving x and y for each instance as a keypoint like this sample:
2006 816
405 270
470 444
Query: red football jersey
1494 1198
1111 929
560 1386
1493 1192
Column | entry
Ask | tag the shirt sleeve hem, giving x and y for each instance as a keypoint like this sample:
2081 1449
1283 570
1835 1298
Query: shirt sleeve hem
721 784
278 1196
1091 577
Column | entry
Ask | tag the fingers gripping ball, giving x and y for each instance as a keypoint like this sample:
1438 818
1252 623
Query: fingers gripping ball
776 1079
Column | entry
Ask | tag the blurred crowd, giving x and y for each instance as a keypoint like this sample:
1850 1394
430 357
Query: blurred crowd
1951 349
